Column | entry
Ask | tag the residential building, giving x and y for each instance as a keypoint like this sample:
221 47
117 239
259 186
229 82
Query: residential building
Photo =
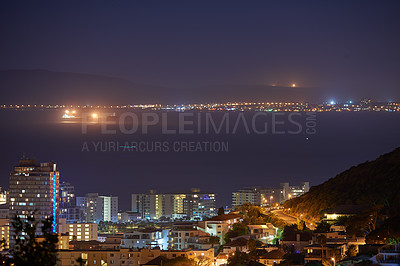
5 232
68 206
273 257
4 211
186 235
264 233
266 196
238 244
135 257
146 238
3 196
316 253
83 231
219 225
343 210
298 240
193 205
99 208
34 191
129 216
388 255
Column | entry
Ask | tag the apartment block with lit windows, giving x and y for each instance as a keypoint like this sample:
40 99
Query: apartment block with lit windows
194 204
34 191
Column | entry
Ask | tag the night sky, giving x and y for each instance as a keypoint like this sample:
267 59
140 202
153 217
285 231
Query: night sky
336 46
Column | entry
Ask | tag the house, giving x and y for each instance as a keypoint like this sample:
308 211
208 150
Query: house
315 252
186 235
265 232
273 257
219 225
112 242
131 257
143 238
343 210
298 240
389 255
239 244
221 259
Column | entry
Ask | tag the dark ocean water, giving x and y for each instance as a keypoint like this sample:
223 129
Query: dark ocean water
341 140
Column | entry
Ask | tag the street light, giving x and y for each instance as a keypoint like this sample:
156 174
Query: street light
334 262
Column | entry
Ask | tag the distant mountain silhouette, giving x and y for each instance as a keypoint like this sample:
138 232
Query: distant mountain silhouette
369 183
49 87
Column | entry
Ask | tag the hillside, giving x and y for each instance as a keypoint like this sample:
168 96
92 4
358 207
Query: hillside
50 87
370 183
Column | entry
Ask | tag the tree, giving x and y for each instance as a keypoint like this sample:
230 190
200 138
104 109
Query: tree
238 229
252 246
203 261
323 227
239 259
289 230
321 240
221 211
28 250
180 261
214 240
351 251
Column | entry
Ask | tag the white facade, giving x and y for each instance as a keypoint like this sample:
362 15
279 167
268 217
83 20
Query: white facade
146 239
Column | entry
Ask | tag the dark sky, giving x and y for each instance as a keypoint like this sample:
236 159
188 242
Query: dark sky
336 45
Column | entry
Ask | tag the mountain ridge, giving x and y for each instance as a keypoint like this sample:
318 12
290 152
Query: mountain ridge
39 86
369 183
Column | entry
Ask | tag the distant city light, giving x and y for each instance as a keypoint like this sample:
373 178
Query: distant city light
94 115
332 102
350 102
293 85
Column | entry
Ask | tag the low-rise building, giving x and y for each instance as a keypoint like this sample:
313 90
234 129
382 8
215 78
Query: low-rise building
298 240
273 257
82 231
264 233
239 244
146 238
112 242
182 235
219 225
388 255
316 252
136 257
5 232
129 216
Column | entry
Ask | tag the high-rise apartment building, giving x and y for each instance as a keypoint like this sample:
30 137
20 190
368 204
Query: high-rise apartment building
34 191
68 207
265 196
99 208
3 197
194 204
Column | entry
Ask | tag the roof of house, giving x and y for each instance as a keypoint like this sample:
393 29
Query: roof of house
240 242
222 256
347 209
224 217
274 254
263 226
157 261
304 236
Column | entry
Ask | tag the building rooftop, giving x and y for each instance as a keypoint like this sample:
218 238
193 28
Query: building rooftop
240 242
274 254
225 217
